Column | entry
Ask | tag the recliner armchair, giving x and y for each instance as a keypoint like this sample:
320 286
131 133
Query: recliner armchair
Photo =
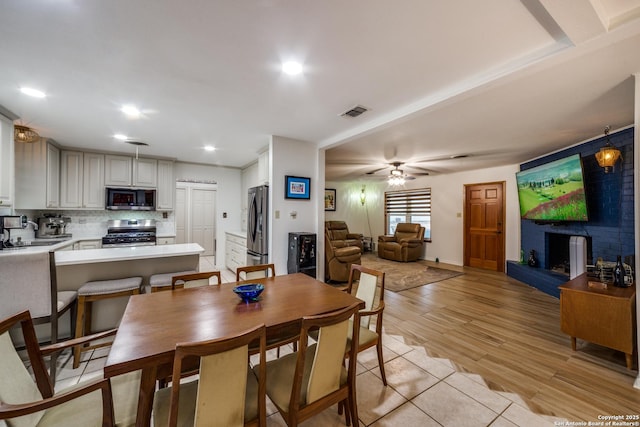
338 260
340 236
405 245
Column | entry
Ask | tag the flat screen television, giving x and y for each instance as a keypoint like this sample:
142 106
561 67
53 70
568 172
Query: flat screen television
553 191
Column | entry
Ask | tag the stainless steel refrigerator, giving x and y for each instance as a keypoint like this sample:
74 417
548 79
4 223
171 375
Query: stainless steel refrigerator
258 226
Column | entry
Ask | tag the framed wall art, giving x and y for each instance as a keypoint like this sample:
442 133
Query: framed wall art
329 199
297 187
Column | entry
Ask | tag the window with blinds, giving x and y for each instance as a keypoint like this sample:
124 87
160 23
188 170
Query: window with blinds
412 206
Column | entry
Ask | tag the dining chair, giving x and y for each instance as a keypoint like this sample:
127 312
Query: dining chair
305 383
227 392
258 271
194 280
23 403
370 289
29 282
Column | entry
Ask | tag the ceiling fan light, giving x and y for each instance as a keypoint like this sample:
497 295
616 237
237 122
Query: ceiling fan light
395 180
25 134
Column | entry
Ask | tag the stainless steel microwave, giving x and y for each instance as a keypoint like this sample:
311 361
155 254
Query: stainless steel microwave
132 199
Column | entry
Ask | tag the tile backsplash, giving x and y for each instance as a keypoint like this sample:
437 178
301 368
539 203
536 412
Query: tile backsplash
93 224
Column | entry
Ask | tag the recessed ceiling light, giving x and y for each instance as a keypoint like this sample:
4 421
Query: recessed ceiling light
121 137
292 68
33 92
209 148
131 111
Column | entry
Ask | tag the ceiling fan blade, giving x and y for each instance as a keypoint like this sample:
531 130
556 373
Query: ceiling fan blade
376 170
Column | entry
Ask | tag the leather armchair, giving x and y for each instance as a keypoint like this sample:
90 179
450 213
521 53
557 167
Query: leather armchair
405 245
338 260
340 236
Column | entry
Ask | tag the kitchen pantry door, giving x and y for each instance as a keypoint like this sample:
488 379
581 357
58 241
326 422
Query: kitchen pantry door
195 212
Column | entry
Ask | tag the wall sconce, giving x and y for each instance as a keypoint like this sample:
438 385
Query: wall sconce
363 196
608 155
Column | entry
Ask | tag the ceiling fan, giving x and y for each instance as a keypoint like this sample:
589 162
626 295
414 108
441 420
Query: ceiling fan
397 176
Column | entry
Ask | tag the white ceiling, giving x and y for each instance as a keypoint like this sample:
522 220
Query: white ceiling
500 80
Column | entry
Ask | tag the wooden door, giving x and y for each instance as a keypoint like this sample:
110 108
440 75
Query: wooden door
483 226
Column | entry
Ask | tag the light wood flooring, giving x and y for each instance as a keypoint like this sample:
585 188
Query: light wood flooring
509 333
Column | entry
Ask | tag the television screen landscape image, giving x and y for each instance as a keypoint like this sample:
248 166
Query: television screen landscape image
553 191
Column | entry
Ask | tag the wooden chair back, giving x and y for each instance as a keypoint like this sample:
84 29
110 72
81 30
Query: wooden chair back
259 271
195 280
370 288
224 366
328 382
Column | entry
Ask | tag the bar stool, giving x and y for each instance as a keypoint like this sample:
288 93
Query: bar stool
162 281
95 291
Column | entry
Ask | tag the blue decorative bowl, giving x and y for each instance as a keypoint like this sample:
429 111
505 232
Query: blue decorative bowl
249 292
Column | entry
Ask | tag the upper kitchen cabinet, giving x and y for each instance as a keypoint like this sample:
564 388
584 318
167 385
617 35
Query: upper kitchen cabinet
93 196
124 171
145 172
37 175
81 180
263 168
166 185
6 161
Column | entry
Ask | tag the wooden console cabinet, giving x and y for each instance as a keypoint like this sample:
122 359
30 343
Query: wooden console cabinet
602 316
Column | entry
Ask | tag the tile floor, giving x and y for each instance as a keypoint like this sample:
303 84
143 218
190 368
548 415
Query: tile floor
422 390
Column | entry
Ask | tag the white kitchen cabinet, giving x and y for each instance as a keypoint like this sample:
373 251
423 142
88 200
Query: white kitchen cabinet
166 186
125 171
93 196
81 180
53 177
263 168
71 171
145 173
37 175
235 251
6 161
87 244
165 240
117 171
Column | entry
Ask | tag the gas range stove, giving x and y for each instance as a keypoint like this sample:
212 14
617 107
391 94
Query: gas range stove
130 232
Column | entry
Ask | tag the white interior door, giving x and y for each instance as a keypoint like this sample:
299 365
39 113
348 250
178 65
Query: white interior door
203 219
195 212
181 215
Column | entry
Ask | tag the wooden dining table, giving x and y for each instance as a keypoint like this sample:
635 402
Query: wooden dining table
154 323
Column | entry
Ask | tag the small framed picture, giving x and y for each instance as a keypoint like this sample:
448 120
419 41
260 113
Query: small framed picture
329 199
297 187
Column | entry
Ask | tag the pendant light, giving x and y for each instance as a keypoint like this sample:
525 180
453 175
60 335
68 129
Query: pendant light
25 134
609 154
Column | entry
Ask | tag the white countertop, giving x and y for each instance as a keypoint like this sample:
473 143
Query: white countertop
37 248
242 234
88 256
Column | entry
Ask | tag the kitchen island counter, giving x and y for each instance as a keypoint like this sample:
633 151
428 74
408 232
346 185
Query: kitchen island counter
75 268
106 255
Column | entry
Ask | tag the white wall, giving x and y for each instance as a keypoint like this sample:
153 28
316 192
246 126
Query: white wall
228 198
297 158
367 219
447 195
